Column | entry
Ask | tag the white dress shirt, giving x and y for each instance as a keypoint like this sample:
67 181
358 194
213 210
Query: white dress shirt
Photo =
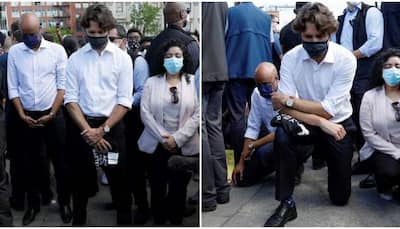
99 82
35 76
261 112
328 82
374 25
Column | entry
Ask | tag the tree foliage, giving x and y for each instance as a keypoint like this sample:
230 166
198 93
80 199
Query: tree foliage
145 17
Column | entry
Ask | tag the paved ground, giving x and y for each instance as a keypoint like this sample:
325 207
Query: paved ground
97 216
251 206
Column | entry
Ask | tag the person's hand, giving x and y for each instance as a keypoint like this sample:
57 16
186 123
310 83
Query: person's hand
44 119
333 129
32 123
278 100
103 146
238 171
169 142
92 135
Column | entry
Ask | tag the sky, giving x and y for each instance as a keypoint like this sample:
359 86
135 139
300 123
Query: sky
286 16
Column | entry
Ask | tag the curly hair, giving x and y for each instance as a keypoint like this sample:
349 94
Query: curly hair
98 13
318 14
176 43
376 79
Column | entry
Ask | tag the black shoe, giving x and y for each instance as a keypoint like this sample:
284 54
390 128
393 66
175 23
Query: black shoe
368 182
47 198
66 213
223 199
208 208
318 163
281 216
29 216
141 216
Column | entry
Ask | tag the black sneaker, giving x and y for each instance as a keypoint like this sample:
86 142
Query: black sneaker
281 216
223 198
368 182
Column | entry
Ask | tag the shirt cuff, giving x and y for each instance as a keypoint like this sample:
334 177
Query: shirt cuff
329 107
126 102
252 134
13 94
70 100
364 51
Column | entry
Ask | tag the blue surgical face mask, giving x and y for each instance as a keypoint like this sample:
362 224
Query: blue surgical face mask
391 76
265 90
173 65
32 40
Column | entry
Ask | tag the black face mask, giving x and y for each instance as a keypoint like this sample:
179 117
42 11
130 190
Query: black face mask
97 42
133 44
315 49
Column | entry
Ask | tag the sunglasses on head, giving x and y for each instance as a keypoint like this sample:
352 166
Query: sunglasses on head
396 107
112 39
174 95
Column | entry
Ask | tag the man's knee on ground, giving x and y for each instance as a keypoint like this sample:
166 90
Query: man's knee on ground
281 137
339 200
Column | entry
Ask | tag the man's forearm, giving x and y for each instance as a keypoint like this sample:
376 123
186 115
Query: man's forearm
265 140
18 106
116 115
58 101
310 119
310 107
76 114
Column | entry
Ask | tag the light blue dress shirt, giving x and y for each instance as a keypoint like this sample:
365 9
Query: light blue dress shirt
141 73
35 76
261 112
374 27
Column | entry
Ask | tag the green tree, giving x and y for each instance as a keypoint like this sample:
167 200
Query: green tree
53 30
145 18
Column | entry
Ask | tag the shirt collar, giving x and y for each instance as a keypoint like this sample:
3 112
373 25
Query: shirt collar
329 57
358 7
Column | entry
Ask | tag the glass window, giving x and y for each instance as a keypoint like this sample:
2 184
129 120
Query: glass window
77 5
119 7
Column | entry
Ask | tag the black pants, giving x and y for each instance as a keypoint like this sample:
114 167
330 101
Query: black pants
137 160
39 143
356 99
5 208
386 170
290 151
168 188
84 173
214 168
237 94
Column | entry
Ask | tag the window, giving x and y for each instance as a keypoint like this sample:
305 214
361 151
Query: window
77 5
119 7
15 13
14 3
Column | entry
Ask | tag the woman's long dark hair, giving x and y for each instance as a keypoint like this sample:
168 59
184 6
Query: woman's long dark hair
176 43
377 72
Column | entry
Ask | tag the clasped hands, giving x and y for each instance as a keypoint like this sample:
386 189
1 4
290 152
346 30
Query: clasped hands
37 123
169 142
94 137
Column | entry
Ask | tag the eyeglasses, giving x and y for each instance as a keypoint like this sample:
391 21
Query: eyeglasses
174 95
396 107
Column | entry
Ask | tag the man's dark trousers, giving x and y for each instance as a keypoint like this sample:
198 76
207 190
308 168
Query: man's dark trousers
290 151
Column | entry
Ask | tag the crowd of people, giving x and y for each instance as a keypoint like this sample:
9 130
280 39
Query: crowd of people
322 87
111 100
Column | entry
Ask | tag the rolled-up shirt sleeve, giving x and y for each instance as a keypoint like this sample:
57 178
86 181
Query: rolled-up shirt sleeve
125 83
140 74
339 92
286 83
254 119
374 27
12 77
71 84
60 69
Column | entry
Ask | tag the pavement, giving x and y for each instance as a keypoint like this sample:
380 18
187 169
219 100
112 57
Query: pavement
251 206
97 215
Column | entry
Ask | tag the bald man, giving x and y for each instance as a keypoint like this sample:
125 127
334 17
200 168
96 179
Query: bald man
176 16
36 83
257 159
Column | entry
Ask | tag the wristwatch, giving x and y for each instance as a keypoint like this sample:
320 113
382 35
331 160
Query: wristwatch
251 146
289 102
106 129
